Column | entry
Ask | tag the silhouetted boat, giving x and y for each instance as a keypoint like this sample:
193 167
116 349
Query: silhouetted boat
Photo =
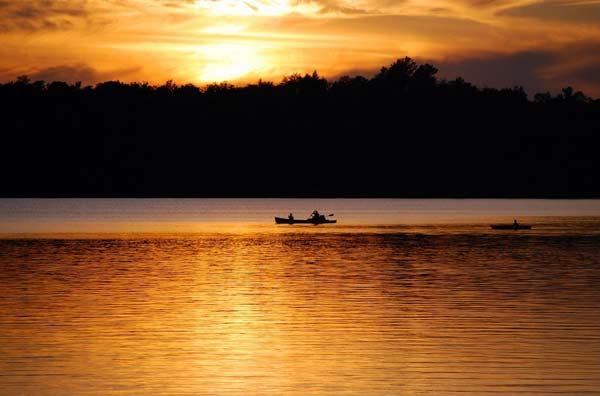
315 219
511 227
283 220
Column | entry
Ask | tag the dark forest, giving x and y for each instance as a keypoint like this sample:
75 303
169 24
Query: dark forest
402 133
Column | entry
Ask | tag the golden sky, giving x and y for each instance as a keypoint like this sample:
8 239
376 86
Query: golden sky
542 45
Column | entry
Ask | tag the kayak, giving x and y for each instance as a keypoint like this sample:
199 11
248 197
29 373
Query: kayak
283 220
511 227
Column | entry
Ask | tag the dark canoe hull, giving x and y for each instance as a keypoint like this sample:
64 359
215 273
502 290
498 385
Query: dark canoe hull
282 220
510 227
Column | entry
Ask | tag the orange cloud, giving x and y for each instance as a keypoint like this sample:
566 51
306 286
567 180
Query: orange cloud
202 41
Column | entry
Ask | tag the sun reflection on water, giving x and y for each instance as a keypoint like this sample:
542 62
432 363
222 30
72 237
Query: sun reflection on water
300 313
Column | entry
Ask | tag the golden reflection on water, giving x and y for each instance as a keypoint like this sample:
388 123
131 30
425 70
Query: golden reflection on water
300 313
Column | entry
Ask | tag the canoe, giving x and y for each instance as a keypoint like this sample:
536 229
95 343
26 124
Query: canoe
511 227
283 220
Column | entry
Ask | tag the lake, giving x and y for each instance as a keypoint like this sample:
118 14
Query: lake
210 297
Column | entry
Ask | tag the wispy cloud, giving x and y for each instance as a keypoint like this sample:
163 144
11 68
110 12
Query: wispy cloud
81 72
563 12
199 40
34 15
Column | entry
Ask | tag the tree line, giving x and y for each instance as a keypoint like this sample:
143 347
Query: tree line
403 132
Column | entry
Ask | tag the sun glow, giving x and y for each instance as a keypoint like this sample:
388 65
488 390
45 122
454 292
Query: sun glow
227 62
226 29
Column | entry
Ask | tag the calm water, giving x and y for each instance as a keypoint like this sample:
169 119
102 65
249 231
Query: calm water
207 297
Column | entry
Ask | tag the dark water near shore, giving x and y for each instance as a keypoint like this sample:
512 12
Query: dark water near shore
403 297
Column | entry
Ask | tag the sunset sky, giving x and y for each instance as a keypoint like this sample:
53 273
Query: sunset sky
542 45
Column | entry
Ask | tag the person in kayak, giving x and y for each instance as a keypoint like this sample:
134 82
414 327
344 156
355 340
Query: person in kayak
291 217
316 216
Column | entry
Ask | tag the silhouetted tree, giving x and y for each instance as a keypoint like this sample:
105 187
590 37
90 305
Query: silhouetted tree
401 133
309 85
397 77
543 98
424 77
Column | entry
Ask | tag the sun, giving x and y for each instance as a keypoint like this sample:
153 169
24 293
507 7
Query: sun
228 61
